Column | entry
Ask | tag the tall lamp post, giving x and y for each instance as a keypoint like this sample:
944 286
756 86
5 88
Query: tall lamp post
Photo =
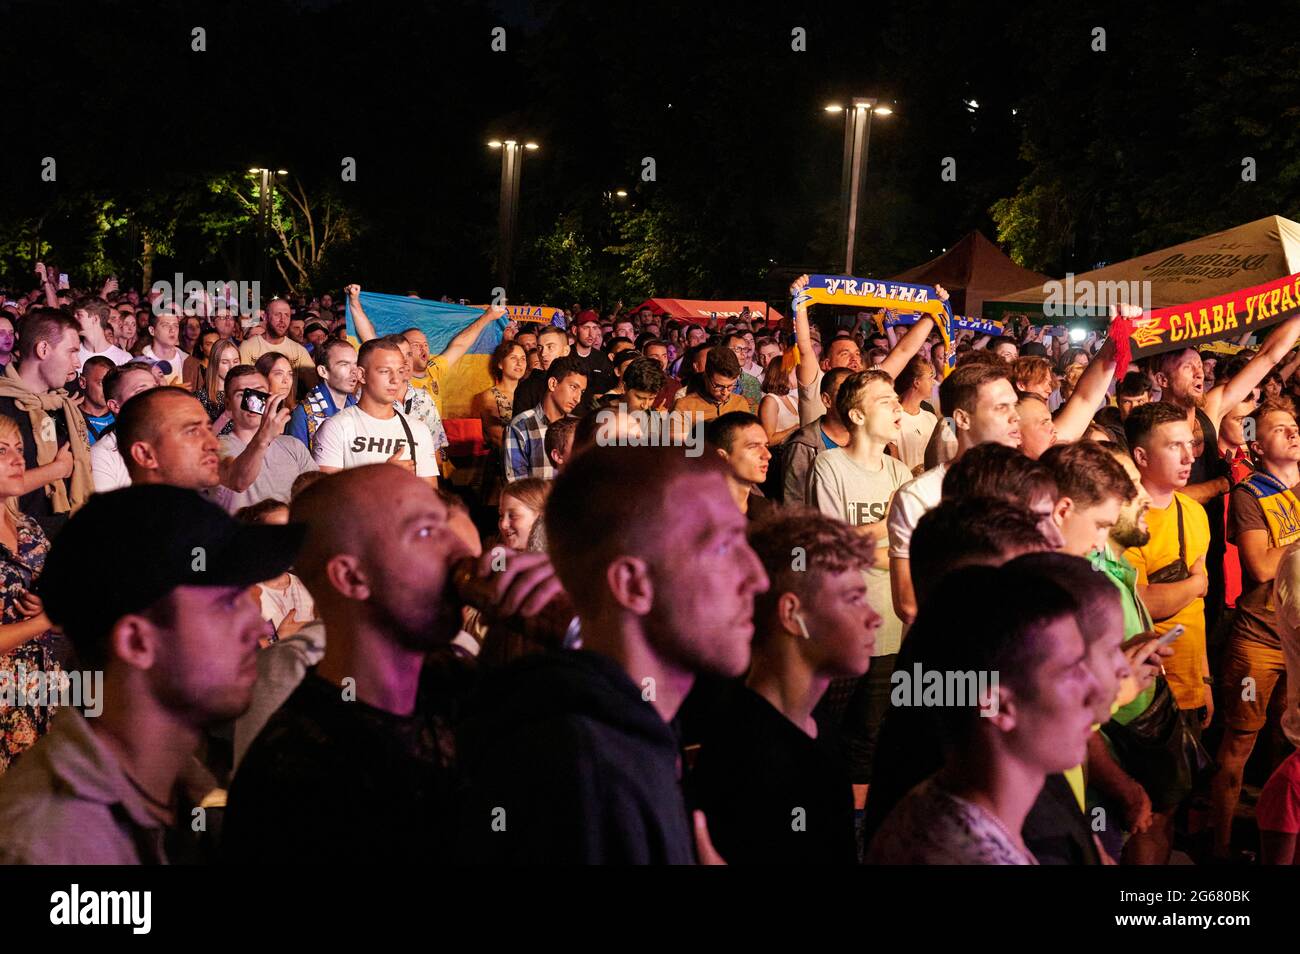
857 140
512 162
264 217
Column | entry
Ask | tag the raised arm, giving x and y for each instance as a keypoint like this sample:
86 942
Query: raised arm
907 347
1239 388
1088 395
46 275
911 342
891 332
238 473
365 330
1289 368
468 335
807 371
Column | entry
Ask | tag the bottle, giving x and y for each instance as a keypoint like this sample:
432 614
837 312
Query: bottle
555 626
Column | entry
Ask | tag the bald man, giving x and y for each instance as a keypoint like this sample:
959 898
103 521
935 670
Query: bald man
165 438
355 749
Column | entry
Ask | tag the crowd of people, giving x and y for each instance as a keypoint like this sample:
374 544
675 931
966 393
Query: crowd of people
904 601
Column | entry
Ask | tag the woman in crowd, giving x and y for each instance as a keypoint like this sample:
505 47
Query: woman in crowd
285 602
915 387
195 369
522 502
191 334
130 335
25 646
278 371
1070 379
222 356
494 408
778 411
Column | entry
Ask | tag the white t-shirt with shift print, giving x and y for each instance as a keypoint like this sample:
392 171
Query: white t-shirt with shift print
352 438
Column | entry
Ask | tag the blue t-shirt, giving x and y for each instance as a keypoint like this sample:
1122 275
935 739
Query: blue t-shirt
830 444
97 425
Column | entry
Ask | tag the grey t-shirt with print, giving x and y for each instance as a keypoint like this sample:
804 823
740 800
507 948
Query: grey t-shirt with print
840 487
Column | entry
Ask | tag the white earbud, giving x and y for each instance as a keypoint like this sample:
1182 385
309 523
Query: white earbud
803 627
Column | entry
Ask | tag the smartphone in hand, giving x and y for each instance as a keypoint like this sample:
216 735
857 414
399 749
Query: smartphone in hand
1168 638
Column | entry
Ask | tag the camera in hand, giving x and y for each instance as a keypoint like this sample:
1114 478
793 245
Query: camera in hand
254 401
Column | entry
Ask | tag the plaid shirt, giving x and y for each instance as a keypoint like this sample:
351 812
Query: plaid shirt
526 446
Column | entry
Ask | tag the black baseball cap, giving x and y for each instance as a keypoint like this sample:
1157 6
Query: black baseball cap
154 538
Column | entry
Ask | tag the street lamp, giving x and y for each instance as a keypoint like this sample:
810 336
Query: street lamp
512 160
264 216
857 140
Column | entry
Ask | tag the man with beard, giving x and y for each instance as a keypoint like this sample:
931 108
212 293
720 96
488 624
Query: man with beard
176 640
353 768
276 338
1150 827
594 361
570 756
1180 376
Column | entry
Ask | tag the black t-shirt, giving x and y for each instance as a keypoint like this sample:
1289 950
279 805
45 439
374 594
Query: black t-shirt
771 794
329 781
564 759
600 371
1056 831
36 504
529 392
759 507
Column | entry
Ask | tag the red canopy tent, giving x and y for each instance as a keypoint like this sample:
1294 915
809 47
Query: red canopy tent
702 312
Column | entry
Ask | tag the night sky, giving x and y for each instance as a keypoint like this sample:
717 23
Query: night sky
1120 150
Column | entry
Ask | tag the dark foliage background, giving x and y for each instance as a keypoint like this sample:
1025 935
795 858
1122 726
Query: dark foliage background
1072 157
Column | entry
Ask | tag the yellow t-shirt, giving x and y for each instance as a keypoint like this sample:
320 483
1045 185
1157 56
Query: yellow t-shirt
1185 668
432 378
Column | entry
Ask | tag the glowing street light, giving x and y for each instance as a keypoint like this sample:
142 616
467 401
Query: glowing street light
512 160
857 140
